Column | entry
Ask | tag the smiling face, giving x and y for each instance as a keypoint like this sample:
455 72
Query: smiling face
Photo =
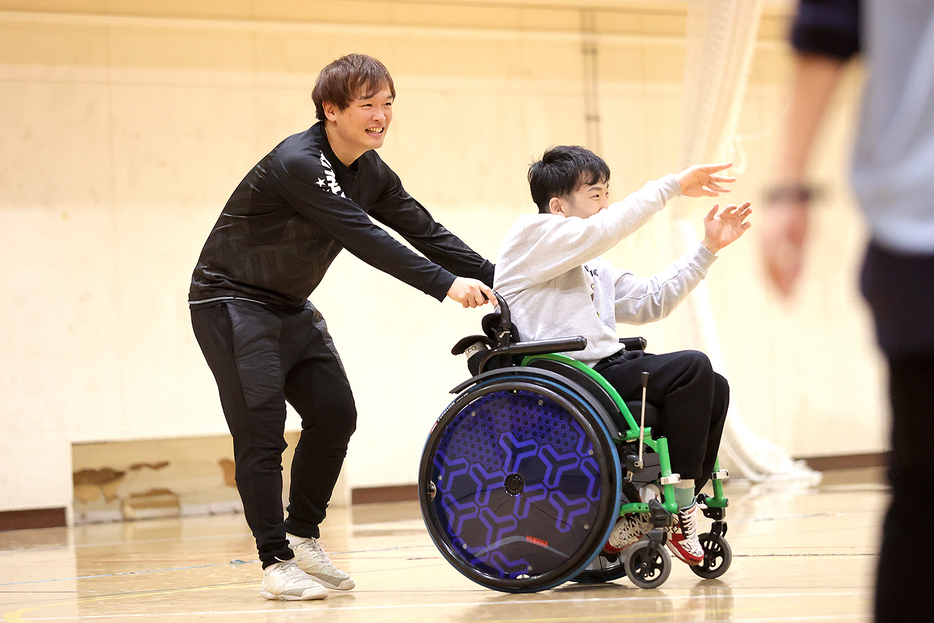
584 202
359 127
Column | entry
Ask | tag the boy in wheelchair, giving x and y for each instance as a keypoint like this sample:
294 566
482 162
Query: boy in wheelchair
550 273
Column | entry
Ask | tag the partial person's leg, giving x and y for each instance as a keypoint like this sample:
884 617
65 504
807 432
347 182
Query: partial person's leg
721 403
317 387
685 388
903 590
900 291
682 385
240 344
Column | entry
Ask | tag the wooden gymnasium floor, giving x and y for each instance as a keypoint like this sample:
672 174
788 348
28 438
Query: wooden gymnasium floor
798 556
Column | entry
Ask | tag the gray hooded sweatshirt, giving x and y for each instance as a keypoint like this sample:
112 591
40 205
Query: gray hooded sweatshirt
551 274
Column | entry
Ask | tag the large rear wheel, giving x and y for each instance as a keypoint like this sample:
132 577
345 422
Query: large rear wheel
519 483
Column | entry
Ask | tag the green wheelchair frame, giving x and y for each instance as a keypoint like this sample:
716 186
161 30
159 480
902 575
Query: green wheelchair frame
648 562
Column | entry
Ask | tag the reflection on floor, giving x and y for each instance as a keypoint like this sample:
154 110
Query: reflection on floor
799 555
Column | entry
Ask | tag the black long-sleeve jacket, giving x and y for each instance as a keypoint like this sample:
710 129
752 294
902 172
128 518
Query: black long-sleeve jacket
299 206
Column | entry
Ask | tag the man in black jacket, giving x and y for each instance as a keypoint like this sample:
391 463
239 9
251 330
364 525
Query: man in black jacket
309 198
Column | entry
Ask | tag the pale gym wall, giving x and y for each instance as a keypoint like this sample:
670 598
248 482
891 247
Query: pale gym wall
126 123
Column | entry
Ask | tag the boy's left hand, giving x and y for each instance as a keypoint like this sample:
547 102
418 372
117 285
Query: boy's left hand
726 227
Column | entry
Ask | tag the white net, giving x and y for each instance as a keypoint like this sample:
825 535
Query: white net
721 36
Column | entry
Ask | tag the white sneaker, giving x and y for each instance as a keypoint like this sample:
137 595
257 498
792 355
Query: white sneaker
310 557
628 529
286 582
683 542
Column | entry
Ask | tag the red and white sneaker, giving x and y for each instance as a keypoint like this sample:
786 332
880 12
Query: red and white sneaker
683 541
628 529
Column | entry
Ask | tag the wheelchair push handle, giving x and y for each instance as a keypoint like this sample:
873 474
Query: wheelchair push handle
503 309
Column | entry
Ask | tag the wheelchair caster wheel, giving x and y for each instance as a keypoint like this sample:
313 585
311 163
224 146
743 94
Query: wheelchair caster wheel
647 565
602 570
717 556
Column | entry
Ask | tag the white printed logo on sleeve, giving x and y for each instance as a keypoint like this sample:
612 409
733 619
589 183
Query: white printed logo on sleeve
330 179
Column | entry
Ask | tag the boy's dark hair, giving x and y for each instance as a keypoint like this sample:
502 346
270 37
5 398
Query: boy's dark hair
346 79
562 170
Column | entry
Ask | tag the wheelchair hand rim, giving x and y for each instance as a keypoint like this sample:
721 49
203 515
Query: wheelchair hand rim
604 507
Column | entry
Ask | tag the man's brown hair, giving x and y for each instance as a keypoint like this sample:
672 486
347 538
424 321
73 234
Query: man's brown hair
348 78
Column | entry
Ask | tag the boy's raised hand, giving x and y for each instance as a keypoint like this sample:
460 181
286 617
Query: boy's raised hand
702 180
726 227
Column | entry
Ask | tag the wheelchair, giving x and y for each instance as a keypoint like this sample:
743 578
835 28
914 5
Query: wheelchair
524 475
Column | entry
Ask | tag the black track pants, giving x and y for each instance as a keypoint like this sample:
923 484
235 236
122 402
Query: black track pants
904 589
900 291
262 358
692 400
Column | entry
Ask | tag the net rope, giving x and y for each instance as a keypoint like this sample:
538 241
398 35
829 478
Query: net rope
721 37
